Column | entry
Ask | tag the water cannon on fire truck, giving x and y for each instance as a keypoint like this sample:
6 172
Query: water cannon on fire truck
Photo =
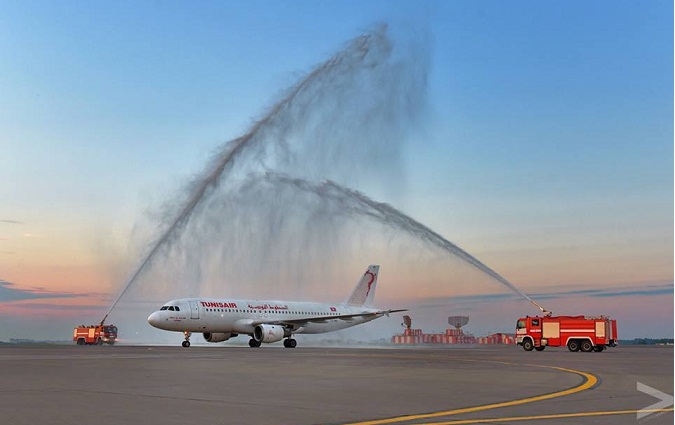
542 309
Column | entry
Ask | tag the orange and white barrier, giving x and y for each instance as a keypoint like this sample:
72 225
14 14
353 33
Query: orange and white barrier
451 336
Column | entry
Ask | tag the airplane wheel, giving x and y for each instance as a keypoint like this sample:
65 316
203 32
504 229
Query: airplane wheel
186 343
599 348
540 348
290 343
253 343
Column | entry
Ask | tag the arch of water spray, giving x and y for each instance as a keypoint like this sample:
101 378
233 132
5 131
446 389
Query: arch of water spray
353 107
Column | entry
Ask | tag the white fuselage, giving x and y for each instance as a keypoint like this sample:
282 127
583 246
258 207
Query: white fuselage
241 316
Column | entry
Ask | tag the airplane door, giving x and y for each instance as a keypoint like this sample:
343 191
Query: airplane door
194 310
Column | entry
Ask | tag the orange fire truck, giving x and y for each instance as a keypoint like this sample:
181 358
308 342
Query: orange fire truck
95 334
576 332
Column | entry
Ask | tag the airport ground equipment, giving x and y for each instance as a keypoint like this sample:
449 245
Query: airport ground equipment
95 334
577 333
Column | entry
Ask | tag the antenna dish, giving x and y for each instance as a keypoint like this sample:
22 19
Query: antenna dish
458 321
407 322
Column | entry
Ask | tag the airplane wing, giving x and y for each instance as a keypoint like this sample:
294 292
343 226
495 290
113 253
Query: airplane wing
296 323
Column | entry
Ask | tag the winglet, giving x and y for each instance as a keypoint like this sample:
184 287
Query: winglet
364 292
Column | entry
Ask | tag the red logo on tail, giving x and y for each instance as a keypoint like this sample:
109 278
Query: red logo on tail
372 279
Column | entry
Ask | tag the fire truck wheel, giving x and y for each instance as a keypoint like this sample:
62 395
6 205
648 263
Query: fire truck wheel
99 341
599 348
528 345
186 344
586 346
540 348
573 345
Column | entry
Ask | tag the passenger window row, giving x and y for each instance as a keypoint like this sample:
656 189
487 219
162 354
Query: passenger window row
227 310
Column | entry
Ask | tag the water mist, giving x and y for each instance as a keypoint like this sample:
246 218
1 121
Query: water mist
263 211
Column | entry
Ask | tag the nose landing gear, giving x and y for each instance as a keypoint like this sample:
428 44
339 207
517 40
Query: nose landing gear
186 343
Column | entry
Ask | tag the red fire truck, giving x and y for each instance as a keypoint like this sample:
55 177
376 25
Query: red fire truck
576 332
95 334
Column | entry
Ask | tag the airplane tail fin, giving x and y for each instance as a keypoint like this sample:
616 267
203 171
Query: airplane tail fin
364 292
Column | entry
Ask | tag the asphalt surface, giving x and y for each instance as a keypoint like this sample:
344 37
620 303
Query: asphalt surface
271 385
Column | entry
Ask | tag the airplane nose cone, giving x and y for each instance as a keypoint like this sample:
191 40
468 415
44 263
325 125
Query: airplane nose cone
154 319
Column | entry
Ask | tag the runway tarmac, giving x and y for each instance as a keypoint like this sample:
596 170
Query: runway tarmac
272 385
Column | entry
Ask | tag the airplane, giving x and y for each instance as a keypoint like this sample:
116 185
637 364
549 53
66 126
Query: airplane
268 321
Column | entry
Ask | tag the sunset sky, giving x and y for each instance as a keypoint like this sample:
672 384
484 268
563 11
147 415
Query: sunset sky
546 149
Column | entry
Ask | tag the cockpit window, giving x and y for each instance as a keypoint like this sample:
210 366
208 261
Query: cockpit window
171 308
164 308
177 309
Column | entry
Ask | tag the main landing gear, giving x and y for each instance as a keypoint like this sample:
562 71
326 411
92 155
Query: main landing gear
186 343
288 343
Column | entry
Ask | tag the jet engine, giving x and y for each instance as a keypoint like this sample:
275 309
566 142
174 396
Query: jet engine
216 337
270 333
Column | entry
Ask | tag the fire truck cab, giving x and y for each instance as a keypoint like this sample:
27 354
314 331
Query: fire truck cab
578 333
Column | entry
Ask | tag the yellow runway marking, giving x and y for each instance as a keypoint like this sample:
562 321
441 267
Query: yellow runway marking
556 416
589 381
